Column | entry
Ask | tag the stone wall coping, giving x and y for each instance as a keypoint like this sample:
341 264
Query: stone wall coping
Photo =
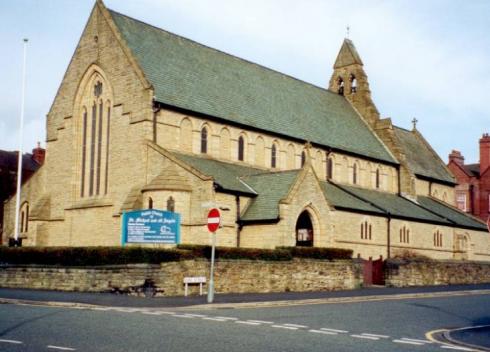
434 261
156 266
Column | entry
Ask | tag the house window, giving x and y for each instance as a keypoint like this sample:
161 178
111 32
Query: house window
241 148
461 201
437 239
204 140
273 156
329 168
404 234
170 204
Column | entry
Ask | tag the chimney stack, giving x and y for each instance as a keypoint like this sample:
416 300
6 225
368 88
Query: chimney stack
456 157
38 154
484 152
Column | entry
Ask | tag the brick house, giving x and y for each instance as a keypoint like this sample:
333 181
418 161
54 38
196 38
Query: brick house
8 174
473 189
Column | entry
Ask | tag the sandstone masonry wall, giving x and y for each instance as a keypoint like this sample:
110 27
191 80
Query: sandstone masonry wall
443 272
232 276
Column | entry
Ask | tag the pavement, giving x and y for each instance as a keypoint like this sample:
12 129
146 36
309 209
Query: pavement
9 295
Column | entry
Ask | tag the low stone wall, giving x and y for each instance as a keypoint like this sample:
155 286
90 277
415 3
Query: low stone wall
231 276
403 273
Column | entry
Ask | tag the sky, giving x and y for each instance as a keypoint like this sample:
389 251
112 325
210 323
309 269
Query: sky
424 59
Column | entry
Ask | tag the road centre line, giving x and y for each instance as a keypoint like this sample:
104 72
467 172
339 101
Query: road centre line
184 316
376 335
261 321
214 319
415 340
11 341
151 313
334 330
365 337
196 315
247 322
60 348
296 326
409 342
323 332
228 318
456 348
285 327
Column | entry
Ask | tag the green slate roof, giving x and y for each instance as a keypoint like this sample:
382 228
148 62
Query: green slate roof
271 188
452 214
395 205
340 199
191 76
226 175
420 158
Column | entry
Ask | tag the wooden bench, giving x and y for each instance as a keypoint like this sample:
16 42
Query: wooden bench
194 280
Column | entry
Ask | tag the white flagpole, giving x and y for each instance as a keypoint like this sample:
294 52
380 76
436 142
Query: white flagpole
21 145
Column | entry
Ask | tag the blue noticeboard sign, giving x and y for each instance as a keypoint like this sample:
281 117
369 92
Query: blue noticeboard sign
151 226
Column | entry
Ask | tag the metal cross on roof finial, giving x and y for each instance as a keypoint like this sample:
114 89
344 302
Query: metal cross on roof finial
347 32
414 121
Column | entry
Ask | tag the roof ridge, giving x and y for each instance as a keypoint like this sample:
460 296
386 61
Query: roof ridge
228 54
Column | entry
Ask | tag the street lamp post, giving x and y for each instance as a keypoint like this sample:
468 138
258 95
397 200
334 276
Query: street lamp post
21 145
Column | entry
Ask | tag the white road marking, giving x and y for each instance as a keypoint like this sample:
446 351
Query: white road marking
409 342
151 313
376 335
165 312
126 310
227 318
102 308
456 348
285 327
262 321
197 315
296 326
335 330
61 348
214 319
247 322
365 337
11 341
183 316
415 340
323 332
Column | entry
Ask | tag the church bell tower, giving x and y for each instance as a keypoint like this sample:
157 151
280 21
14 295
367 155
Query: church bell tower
350 80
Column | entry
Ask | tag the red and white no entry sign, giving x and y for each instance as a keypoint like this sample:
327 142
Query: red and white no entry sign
214 220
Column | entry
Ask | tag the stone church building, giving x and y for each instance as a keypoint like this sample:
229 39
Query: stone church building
145 118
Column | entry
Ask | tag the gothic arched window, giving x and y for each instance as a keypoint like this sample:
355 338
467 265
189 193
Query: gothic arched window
377 179
204 140
273 155
303 158
150 203
353 83
94 106
340 85
329 168
354 174
171 204
241 148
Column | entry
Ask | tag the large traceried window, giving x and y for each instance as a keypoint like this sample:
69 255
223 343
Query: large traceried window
94 135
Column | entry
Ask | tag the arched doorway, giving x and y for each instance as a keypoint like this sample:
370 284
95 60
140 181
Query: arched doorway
304 230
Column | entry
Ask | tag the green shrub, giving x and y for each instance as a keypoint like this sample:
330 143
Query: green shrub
319 253
238 253
80 256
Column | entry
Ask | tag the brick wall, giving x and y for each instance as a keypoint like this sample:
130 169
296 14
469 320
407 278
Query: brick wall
233 276
426 273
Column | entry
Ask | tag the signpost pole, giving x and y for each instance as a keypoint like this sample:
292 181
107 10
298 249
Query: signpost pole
211 278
